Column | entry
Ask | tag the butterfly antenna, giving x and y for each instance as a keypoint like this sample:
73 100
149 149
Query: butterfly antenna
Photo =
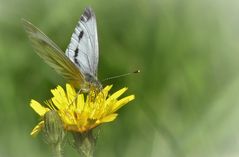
122 75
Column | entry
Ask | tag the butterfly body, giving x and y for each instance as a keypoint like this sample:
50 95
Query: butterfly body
79 64
91 83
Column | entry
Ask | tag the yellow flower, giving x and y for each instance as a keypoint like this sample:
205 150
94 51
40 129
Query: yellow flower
81 114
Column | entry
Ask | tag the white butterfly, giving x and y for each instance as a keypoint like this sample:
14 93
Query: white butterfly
79 64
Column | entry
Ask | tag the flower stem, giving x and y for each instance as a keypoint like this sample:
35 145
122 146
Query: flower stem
56 149
85 143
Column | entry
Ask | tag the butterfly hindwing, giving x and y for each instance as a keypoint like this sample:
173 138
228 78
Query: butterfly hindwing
83 48
52 54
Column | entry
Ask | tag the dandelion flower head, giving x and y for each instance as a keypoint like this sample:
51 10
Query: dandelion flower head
79 112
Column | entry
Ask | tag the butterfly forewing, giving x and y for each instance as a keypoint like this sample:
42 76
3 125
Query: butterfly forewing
83 48
53 55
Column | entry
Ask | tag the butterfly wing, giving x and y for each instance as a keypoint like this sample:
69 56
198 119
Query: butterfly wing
83 49
53 55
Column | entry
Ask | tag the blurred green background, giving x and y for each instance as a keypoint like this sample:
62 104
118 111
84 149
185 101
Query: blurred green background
187 94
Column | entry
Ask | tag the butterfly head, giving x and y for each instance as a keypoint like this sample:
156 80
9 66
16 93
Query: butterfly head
93 83
96 85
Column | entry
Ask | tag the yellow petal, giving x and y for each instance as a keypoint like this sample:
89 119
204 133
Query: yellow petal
115 95
58 91
107 89
122 102
60 102
108 118
59 99
37 128
118 93
71 93
38 108
80 102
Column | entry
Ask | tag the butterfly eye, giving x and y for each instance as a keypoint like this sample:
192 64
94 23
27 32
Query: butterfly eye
89 78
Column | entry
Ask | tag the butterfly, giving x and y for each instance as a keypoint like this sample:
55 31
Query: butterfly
79 63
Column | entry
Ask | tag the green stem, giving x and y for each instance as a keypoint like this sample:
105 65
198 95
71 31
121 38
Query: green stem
56 149
85 143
